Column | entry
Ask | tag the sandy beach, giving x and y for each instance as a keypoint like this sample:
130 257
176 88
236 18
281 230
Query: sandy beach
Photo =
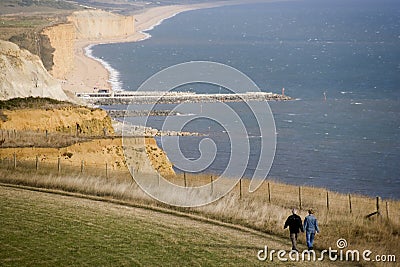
88 73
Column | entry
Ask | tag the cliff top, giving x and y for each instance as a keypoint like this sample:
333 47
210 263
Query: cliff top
33 103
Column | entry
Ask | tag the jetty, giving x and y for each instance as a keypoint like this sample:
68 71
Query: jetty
104 98
119 113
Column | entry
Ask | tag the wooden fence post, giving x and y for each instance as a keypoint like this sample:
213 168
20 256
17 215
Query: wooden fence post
240 188
350 203
377 206
212 185
387 210
59 164
82 166
37 163
15 160
106 170
269 194
184 179
327 200
300 204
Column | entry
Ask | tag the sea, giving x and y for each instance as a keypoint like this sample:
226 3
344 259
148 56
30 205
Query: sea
339 60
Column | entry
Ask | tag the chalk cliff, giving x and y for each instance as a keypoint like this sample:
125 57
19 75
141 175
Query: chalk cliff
97 24
83 25
22 74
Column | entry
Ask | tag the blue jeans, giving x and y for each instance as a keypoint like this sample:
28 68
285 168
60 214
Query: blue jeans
310 239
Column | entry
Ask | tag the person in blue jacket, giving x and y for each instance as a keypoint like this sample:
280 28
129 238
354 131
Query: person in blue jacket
311 228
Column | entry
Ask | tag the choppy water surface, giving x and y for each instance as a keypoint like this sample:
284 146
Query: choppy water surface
348 49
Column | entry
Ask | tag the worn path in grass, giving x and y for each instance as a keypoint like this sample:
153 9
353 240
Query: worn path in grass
47 229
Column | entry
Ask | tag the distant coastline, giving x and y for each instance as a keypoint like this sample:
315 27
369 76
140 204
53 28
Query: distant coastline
89 71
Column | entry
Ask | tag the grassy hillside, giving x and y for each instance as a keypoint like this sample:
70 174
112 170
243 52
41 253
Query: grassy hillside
40 229
254 211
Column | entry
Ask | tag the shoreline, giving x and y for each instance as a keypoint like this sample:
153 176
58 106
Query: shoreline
89 72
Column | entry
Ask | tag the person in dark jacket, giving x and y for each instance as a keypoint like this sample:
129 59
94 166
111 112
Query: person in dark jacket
311 228
295 226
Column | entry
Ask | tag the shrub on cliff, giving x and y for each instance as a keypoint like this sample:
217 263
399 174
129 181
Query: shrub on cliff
33 102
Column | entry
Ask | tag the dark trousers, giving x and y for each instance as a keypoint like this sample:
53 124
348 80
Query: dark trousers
293 238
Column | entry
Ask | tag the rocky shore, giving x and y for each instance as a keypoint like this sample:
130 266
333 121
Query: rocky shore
143 131
140 113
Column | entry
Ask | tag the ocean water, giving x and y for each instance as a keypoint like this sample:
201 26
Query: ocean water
349 50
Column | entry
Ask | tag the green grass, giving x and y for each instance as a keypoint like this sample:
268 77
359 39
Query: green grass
266 219
22 23
34 5
40 229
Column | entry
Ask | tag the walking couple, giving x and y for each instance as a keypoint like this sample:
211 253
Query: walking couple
295 226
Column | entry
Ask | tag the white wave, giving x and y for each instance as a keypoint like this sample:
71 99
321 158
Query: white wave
145 31
356 103
113 78
146 36
185 114
346 92
254 136
290 121
161 21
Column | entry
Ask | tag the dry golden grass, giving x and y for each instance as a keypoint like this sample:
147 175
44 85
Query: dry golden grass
12 138
378 234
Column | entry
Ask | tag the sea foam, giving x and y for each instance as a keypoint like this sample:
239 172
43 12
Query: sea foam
113 79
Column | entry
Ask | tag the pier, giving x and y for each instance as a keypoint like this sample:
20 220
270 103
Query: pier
152 97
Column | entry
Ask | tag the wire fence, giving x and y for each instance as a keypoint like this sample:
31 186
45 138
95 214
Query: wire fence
10 138
62 166
275 193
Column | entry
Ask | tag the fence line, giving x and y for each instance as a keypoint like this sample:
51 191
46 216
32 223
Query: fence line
328 202
44 138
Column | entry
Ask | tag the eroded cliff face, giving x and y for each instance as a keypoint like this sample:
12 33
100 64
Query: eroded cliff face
97 24
83 25
97 152
145 157
62 38
22 74
64 120
143 153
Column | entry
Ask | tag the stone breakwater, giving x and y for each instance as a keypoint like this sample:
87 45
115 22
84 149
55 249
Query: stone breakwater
140 113
143 131
126 98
